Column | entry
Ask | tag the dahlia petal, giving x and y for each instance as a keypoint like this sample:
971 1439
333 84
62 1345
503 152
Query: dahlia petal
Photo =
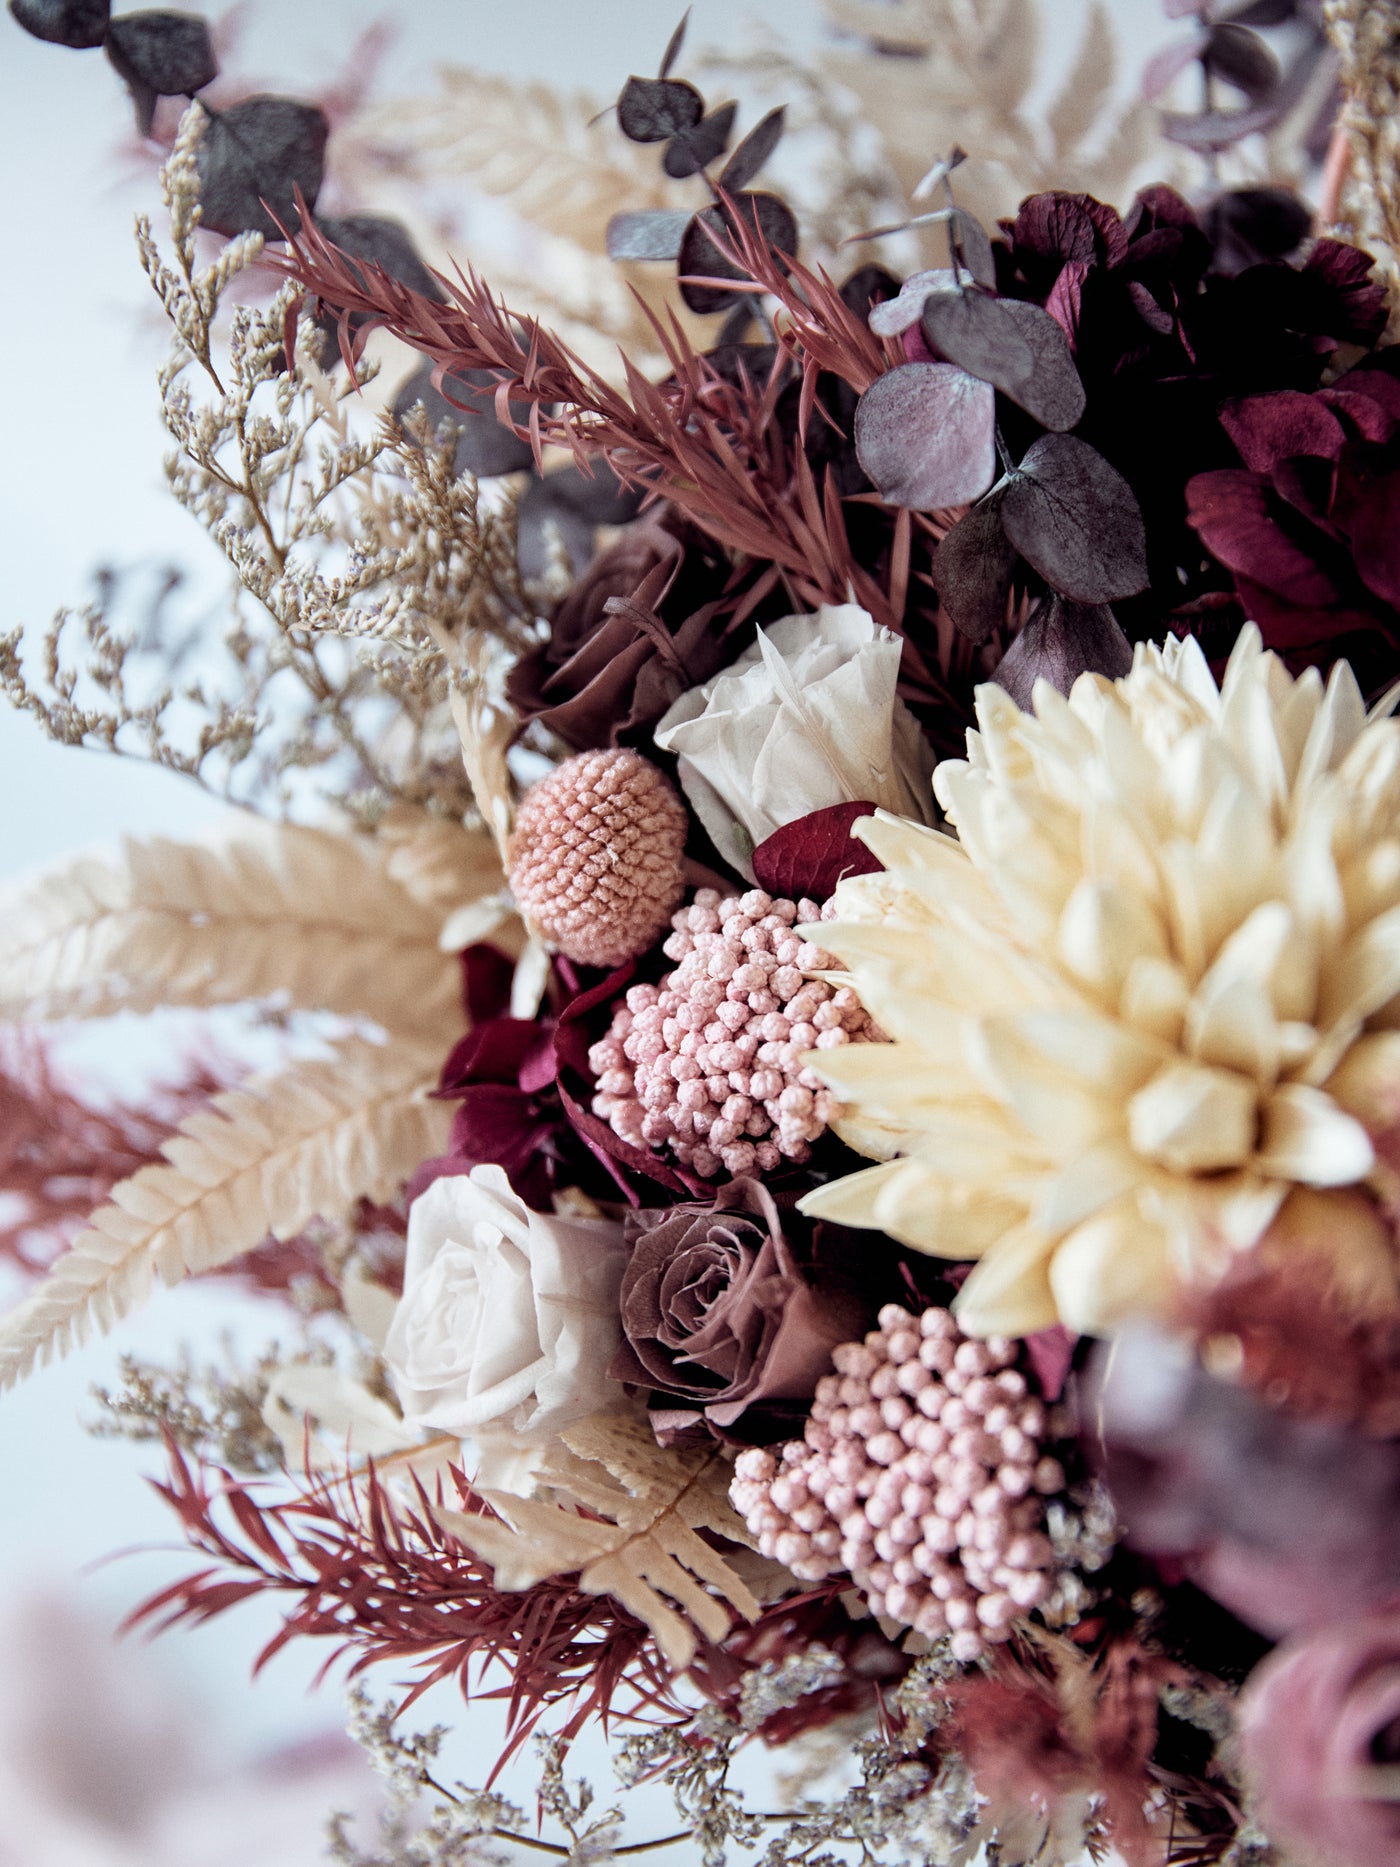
1093 1049
1306 1137
1193 1119
949 1221
1008 1292
1103 930
1093 1181
1112 1267
1366 974
1367 1082
1231 1024
1155 996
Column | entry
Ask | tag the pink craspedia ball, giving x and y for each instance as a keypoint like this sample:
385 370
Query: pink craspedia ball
595 857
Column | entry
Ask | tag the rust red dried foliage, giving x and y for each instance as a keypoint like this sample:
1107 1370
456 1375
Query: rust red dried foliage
709 445
389 1584
1289 1336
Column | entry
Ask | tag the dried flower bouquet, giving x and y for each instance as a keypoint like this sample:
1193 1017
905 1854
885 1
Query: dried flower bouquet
845 864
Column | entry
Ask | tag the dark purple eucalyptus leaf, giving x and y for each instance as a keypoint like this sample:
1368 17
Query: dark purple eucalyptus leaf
160 54
1250 225
700 258
972 571
694 149
1269 428
78 24
484 446
596 495
1075 519
1059 643
673 46
650 233
1212 130
384 243
1262 13
1242 59
548 525
971 245
753 152
925 434
865 284
651 110
260 151
1052 392
979 334
897 314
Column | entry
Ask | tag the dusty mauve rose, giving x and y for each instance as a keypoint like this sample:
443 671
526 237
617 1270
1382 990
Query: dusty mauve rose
806 718
1320 1736
717 1314
508 1317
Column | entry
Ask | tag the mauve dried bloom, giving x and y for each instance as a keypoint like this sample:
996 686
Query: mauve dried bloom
595 856
717 1312
1320 1737
921 1474
709 1062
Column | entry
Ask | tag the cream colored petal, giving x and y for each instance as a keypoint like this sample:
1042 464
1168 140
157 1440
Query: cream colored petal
1335 728
894 1078
1095 1180
1154 999
1063 1114
942 1218
851 1199
1371 883
1233 1027
1008 1292
1085 1046
878 1137
1364 976
1305 1136
1103 931
1367 1081
1194 1119
1269 948
1110 1269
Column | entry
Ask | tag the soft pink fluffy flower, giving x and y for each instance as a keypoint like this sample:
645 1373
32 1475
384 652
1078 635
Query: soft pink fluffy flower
595 857
1320 1732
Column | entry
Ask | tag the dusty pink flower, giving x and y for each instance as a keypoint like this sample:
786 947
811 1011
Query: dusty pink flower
595 857
709 1062
1320 1733
921 1475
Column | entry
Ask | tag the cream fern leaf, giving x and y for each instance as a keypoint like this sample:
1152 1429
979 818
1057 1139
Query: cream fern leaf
309 1141
264 908
642 1539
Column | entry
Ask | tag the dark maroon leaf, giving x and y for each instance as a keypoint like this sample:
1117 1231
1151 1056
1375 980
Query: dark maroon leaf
1263 13
260 151
979 334
1247 225
925 433
969 242
653 233
753 152
897 314
673 46
809 857
700 258
1239 523
1241 58
1052 391
1075 519
652 109
384 243
1059 643
161 54
1269 428
972 571
79 24
484 446
694 149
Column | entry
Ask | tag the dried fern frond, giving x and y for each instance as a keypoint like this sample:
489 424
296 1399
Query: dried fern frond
262 909
640 1539
266 1159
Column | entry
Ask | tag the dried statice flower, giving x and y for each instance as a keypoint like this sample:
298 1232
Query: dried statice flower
1367 38
596 856
710 1062
921 1474
215 1412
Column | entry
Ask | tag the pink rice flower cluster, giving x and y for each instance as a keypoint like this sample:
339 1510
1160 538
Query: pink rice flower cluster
595 856
922 1475
709 1062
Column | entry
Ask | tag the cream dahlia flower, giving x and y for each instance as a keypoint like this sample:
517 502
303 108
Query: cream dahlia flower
1142 1009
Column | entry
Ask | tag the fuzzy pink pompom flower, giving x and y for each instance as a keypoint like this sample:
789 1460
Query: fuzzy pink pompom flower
595 856
922 1475
710 1062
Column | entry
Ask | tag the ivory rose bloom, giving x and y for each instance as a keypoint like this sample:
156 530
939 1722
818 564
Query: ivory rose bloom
508 1317
806 718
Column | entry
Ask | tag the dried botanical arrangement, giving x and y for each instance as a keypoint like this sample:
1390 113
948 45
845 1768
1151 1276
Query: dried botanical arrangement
842 864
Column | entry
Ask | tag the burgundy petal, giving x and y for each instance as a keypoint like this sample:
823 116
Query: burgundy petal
1238 519
1270 428
810 856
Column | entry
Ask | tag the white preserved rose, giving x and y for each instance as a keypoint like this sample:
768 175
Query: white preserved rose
509 1317
806 718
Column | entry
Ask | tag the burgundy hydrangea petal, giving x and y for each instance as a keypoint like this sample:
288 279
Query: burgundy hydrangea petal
1240 521
1051 1355
1365 417
1308 484
492 1052
809 857
1292 627
1060 227
1269 428
1066 298
1354 299
487 973
1370 511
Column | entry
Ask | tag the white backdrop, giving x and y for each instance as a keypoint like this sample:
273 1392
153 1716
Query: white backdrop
80 485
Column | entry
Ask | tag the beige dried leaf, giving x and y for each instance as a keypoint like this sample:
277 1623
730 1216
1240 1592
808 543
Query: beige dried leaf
307 1142
262 908
1081 102
642 1539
